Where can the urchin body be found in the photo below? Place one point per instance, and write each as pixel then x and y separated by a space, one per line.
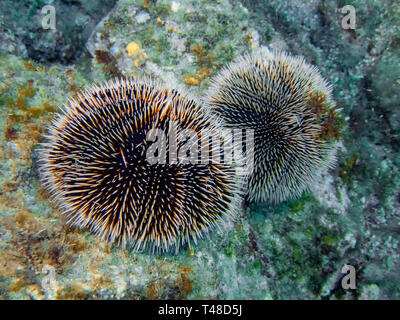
pixel 95 164
pixel 286 102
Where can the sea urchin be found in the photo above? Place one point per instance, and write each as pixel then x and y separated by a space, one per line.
pixel 95 164
pixel 289 106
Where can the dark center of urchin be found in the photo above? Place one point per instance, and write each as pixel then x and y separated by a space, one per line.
pixel 100 163
pixel 275 132
pixel 284 138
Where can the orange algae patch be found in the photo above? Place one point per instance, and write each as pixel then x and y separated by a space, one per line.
pixel 108 61
pixel 317 102
pixel 72 292
pixel 160 22
pixel 195 80
pixel 330 127
pixel 23 94
pixel 26 136
pixel 152 291
pixel 248 38
pixel 203 58
pixel 10 263
pixel 17 285
pixel 183 280
pixel 206 63
pixel 34 241
pixel 28 65
pixel 331 123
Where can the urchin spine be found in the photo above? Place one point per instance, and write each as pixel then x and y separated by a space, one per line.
pixel 94 166
pixel 287 102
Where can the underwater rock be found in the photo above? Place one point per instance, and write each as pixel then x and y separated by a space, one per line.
pixel 74 22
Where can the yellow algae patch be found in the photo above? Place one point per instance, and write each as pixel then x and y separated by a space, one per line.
pixel 10 185
pixel 206 63
pixel 136 53
pixel 190 80
pixel 11 263
pixel 72 292
pixel 249 39
pixel 27 221
pixel 35 291
pixel 23 93
pixel 317 102
pixel 172 29
pixel 153 289
pixel 17 285
pixel 99 282
pixel 35 243
pixel 133 49
pixel 195 80
pixel 28 65
pixel 25 138
pixel 29 136
pixel 200 53
pixel 40 69
pixel 160 22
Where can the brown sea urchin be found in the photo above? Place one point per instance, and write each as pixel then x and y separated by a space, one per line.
pixel 95 163
pixel 289 106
